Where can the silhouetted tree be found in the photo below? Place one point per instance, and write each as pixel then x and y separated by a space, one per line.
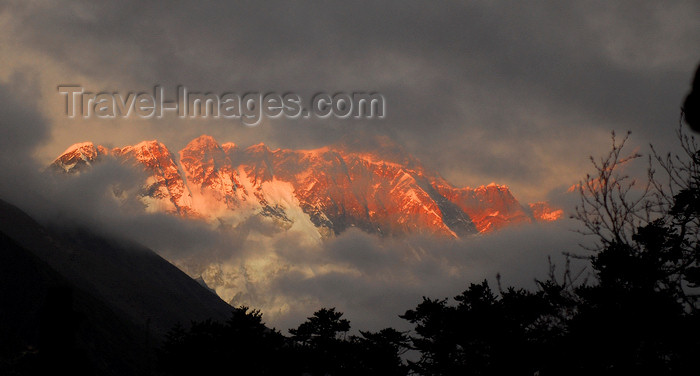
pixel 379 353
pixel 638 316
pixel 323 327
pixel 641 315
pixel 325 349
pixel 243 345
pixel 485 333
pixel 321 344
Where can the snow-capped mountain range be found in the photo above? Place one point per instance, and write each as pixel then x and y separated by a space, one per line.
pixel 379 189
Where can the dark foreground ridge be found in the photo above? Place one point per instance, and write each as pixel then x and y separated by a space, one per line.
pixel 72 300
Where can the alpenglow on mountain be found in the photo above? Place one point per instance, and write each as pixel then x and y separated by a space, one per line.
pixel 379 189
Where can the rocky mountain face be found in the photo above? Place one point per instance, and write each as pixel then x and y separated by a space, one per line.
pixel 383 190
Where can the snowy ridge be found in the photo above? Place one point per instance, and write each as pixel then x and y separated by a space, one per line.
pixel 322 191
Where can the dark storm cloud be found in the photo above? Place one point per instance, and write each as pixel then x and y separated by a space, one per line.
pixel 21 126
pixel 505 88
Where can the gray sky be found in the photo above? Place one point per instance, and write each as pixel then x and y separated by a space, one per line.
pixel 516 93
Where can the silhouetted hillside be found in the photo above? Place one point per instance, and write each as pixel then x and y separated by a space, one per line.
pixel 71 297
pixel 47 323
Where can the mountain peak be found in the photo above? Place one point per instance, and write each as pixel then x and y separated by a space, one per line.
pixel 258 148
pixel 376 147
pixel 78 156
pixel 87 145
pixel 229 146
pixel 147 144
pixel 542 211
pixel 203 142
pixel 144 151
pixel 494 187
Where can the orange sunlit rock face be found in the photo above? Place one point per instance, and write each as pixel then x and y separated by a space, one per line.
pixel 384 191
pixel 541 211
pixel 490 207
pixel 79 156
